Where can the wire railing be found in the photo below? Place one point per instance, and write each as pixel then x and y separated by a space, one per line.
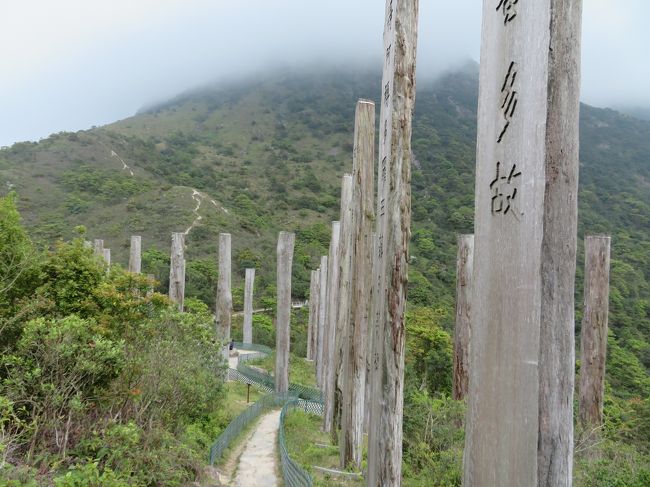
pixel 294 475
pixel 301 397
pixel 237 425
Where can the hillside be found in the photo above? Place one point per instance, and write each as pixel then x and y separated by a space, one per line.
pixel 267 154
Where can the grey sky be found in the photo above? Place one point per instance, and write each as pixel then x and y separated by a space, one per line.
pixel 70 64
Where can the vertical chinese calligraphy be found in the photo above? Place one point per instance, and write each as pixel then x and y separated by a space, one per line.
pixel 504 188
pixel 509 10
pixel 509 99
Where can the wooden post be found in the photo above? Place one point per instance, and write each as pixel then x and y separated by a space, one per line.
pixel 394 231
pixel 135 260
pixel 463 329
pixel 224 293
pixel 355 343
pixel 372 362
pixel 322 322
pixel 342 316
pixel 519 428
pixel 177 270
pixel 283 317
pixel 248 306
pixel 99 247
pixel 593 336
pixel 330 325
pixel 106 253
pixel 312 327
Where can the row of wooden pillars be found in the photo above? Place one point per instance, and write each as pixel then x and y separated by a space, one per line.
pixel 224 311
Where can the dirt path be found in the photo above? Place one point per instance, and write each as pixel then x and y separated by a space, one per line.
pixel 258 463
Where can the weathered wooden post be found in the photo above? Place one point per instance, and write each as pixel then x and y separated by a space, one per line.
pixel 135 256
pixel 519 428
pixel 177 270
pixel 106 253
pixel 593 336
pixel 355 344
pixel 312 327
pixel 330 325
pixel 224 293
pixel 283 314
pixel 463 329
pixel 342 316
pixel 248 306
pixel 393 233
pixel 372 363
pixel 322 322
pixel 99 247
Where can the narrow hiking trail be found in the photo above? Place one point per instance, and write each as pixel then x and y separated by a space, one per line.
pixel 199 197
pixel 258 465
pixel 125 166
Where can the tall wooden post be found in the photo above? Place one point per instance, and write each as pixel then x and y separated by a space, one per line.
pixel 355 344
pixel 342 316
pixel 98 246
pixel 322 322
pixel 177 270
pixel 224 293
pixel 519 428
pixel 593 337
pixel 283 317
pixel 312 327
pixel 394 223
pixel 330 325
pixel 135 256
pixel 248 306
pixel 372 362
pixel 106 253
pixel 463 329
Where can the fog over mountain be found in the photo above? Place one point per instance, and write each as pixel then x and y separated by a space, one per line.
pixel 71 64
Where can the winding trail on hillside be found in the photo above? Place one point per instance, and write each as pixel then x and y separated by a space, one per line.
pixel 125 166
pixel 258 466
pixel 199 197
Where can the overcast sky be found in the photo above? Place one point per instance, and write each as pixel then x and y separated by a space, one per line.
pixel 71 64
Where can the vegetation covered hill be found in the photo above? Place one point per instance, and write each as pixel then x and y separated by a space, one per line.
pixel 267 154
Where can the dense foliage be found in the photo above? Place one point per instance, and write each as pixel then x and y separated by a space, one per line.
pixel 87 393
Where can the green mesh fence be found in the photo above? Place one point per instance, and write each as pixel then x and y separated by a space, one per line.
pixel 294 475
pixel 236 426
pixel 267 380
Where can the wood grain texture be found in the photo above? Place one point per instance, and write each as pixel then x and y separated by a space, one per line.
pixel 463 327
pixel 393 232
pixel 519 428
pixel 593 335
pixel 355 342
pixel 344 297
pixel 330 324
pixel 283 313
pixel 248 306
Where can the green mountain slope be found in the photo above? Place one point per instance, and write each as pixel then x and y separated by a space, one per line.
pixel 267 154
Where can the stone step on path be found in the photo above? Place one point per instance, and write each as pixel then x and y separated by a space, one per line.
pixel 258 465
